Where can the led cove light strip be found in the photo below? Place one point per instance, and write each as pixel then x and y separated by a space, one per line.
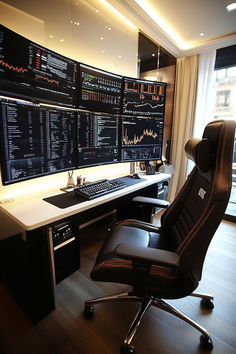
pixel 162 24
pixel 118 14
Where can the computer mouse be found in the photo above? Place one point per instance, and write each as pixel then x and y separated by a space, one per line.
pixel 136 176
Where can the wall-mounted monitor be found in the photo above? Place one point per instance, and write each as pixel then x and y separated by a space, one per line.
pixel 97 138
pixel 142 97
pixel 99 90
pixel 30 71
pixel 141 138
pixel 35 140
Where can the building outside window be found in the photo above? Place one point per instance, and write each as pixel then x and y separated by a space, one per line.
pixel 224 91
pixel 222 98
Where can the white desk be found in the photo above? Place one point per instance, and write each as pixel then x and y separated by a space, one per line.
pixel 31 211
pixel 36 217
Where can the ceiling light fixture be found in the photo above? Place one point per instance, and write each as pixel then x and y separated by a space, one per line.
pixel 231 6
pixel 118 14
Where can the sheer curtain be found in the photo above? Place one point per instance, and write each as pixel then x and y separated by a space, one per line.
pixel 205 98
pixel 204 102
pixel 187 69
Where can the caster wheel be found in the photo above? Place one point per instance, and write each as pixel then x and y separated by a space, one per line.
pixel 206 342
pixel 88 311
pixel 208 304
pixel 127 349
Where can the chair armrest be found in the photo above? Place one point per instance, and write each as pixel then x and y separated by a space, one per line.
pixel 151 201
pixel 147 255
pixel 143 225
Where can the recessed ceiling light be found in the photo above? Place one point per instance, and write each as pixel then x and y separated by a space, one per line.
pixel 201 34
pixel 62 40
pixel 119 56
pixel 101 38
pixel 231 7
pixel 153 54
pixel 51 36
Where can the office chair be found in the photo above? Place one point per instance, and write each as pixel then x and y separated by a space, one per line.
pixel 166 262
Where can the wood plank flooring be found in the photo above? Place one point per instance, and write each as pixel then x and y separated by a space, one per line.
pixel 66 331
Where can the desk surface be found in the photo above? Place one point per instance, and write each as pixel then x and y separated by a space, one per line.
pixel 31 211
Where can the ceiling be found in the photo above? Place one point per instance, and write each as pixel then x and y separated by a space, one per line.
pixel 187 24
pixel 188 19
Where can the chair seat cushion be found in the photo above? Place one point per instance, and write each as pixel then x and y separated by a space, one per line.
pixel 110 268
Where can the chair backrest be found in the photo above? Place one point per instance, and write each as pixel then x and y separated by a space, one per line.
pixel 192 219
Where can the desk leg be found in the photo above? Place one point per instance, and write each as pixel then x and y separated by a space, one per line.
pixel 41 274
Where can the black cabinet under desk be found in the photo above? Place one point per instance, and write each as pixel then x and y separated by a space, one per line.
pixel 66 249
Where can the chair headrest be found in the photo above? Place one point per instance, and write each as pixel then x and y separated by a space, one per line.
pixel 199 151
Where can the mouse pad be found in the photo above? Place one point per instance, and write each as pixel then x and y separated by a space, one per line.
pixel 65 200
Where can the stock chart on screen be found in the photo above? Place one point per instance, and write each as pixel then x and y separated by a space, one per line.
pixel 141 138
pixel 30 71
pixel 142 97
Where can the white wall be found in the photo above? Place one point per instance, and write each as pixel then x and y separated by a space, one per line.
pixel 84 30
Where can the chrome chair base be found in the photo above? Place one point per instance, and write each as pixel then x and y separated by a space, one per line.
pixel 146 302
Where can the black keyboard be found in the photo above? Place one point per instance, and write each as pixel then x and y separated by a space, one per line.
pixel 98 188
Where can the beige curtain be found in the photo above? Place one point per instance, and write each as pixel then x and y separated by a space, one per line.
pixel 183 118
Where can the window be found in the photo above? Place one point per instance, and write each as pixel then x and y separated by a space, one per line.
pixel 222 98
pixel 224 91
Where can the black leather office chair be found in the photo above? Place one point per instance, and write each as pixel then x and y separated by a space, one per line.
pixel 166 262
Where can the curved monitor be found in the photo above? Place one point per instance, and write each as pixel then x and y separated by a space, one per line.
pixel 30 71
pixel 35 140
pixel 141 138
pixel 99 90
pixel 143 97
pixel 97 139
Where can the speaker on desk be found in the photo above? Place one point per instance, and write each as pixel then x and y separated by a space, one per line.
pixel 66 248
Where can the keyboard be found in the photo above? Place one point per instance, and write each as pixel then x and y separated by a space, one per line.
pixel 98 188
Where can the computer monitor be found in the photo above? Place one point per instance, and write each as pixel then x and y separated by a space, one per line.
pixel 143 97
pixel 141 138
pixel 35 140
pixel 97 138
pixel 31 71
pixel 99 90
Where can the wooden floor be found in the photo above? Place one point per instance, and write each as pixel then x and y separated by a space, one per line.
pixel 66 331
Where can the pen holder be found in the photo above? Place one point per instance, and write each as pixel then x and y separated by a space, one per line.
pixel 80 180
